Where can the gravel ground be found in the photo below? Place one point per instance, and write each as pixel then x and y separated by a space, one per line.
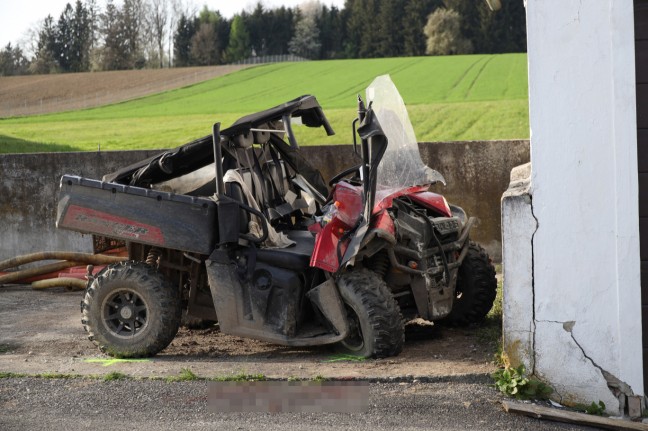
pixel 74 404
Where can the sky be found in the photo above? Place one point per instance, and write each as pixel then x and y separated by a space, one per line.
pixel 18 16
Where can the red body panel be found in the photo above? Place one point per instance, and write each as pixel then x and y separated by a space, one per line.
pixel 349 198
pixel 382 221
pixel 112 225
pixel 432 201
pixel 325 251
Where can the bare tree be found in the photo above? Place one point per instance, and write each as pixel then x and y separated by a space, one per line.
pixel 29 39
pixel 158 19
pixel 94 14
pixel 178 8
pixel 204 45
pixel 305 42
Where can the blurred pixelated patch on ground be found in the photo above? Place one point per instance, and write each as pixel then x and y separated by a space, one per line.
pixel 289 397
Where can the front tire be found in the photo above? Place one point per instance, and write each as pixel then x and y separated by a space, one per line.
pixel 476 288
pixel 131 310
pixel 376 327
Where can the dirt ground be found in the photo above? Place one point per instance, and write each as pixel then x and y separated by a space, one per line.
pixel 41 332
pixel 39 94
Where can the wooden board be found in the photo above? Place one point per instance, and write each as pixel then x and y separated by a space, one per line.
pixel 541 412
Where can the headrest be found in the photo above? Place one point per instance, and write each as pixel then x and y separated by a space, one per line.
pixel 243 140
pixel 262 138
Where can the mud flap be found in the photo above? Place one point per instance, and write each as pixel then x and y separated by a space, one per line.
pixel 224 285
pixel 327 299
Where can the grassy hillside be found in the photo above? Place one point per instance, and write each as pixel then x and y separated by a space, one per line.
pixel 449 98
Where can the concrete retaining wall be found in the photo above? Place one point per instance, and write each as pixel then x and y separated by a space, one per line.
pixel 477 174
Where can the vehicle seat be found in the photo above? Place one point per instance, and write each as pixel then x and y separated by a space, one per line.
pixel 296 257
pixel 235 191
pixel 267 183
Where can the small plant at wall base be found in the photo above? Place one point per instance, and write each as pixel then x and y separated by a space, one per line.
pixel 592 409
pixel 515 383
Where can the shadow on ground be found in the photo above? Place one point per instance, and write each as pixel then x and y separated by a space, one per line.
pixel 9 144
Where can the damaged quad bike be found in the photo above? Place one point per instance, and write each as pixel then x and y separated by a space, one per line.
pixel 238 227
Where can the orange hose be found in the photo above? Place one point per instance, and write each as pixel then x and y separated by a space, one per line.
pixel 84 258
pixel 18 276
pixel 70 283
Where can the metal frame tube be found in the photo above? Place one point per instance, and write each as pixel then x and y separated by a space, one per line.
pixel 218 160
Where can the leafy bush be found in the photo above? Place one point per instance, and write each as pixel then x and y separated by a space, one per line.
pixel 515 383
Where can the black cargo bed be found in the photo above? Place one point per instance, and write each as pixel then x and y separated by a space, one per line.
pixel 136 214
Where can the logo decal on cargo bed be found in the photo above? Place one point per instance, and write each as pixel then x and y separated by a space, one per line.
pixel 89 220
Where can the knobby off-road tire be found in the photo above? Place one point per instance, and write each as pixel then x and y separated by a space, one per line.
pixel 376 327
pixel 131 310
pixel 476 288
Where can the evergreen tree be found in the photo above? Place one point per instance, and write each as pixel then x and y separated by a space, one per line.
pixel 354 27
pixel 130 24
pixel 115 52
pixel 362 29
pixel 13 61
pixel 239 41
pixel 81 39
pixel 222 28
pixel 470 20
pixel 278 28
pixel 390 28
pixel 45 56
pixel 256 26
pixel 369 41
pixel 505 30
pixel 7 67
pixel 64 52
pixel 331 27
pixel 185 31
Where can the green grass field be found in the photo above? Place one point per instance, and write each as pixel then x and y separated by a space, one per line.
pixel 475 97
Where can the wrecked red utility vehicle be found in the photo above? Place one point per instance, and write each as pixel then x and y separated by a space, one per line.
pixel 239 228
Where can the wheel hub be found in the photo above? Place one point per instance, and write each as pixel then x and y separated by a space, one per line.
pixel 125 313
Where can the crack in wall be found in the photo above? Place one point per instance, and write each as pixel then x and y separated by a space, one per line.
pixel 533 307
pixel 618 388
pixel 571 334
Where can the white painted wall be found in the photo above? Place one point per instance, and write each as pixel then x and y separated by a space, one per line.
pixel 584 311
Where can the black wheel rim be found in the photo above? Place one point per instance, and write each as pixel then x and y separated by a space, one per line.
pixel 354 341
pixel 125 313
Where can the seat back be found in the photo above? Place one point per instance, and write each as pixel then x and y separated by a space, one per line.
pixel 235 191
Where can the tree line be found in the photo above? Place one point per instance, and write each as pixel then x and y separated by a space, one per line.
pixel 169 33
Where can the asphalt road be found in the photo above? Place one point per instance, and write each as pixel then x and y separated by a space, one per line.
pixel 36 404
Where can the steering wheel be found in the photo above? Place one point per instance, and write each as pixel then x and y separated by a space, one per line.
pixel 343 174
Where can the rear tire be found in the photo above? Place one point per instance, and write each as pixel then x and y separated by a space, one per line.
pixel 476 288
pixel 131 310
pixel 376 327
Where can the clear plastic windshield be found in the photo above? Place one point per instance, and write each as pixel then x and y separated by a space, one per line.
pixel 401 166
